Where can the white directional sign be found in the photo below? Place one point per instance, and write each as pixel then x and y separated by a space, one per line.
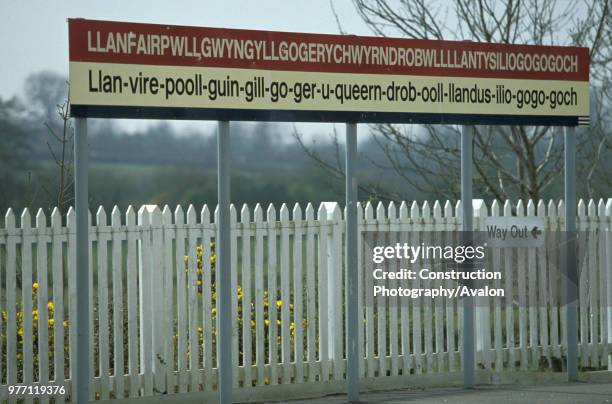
pixel 515 231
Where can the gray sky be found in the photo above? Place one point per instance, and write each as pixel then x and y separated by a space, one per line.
pixel 34 33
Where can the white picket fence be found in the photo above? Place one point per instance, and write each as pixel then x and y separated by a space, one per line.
pixel 152 309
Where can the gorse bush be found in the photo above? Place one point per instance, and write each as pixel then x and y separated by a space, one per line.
pixel 245 312
pixel 33 340
pixel 243 307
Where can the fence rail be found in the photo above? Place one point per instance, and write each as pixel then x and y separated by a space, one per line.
pixel 153 299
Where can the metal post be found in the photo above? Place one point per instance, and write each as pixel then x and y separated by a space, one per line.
pixel 223 251
pixel 352 275
pixel 468 214
pixel 81 375
pixel 571 327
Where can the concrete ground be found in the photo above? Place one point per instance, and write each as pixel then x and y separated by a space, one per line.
pixel 572 393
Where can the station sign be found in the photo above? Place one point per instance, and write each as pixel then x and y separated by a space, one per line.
pixel 133 70
pixel 514 231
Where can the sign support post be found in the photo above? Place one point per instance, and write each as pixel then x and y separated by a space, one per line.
pixel 571 327
pixel 81 375
pixel 467 219
pixel 223 252
pixel 352 273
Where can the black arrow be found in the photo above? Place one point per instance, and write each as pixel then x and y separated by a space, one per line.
pixel 535 232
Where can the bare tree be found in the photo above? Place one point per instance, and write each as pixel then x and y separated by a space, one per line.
pixel 62 155
pixel 509 161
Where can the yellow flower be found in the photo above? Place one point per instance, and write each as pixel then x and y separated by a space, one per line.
pixel 199 282
pixel 50 306
pixel 65 323
pixel 279 304
pixel 267 322
pixel 252 323
pixel 200 330
pixel 51 322
pixel 278 322
pixel 20 332
pixel 35 312
pixel 35 286
pixel 186 258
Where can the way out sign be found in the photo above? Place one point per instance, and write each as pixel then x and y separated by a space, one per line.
pixel 514 231
pixel 128 70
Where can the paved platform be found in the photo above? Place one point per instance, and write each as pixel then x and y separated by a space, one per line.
pixel 572 393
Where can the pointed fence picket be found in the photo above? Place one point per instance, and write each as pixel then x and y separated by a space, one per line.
pixel 284 293
pixel 118 303
pixel 554 279
pixel 132 299
pixel 323 297
pixel 497 309
pixel 450 226
pixel 438 227
pixel 153 297
pixel 426 229
pixel 298 297
pixel 245 302
pixel 167 301
pixel 260 298
pixel 405 328
pixel 208 236
pixel 58 270
pixel 532 283
pixel 593 283
pixel 543 292
pixel 311 297
pixel 417 302
pixel 509 305
pixel 523 308
pixel 583 284
pixel 381 302
pixel 393 301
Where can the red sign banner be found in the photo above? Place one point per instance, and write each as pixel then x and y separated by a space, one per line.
pixel 132 70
